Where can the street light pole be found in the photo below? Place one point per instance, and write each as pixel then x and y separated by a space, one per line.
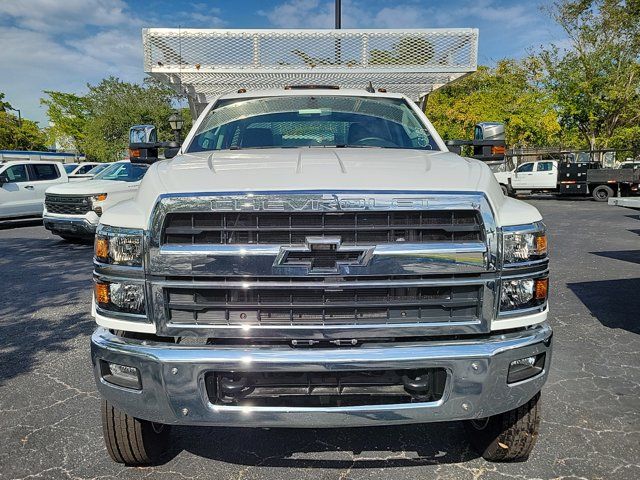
pixel 19 115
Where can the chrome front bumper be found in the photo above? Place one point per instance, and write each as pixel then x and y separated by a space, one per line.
pixel 173 385
pixel 71 225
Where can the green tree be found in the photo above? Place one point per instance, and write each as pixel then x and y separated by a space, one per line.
pixel 595 82
pixel 506 94
pixel 16 134
pixel 4 105
pixel 25 135
pixel 99 121
pixel 68 114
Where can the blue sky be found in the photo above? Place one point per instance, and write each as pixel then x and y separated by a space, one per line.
pixel 65 44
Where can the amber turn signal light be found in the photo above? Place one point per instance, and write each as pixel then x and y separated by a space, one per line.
pixel 541 244
pixel 498 150
pixel 102 293
pixel 134 153
pixel 542 288
pixel 101 248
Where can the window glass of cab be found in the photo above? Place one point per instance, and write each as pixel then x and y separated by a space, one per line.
pixel 311 121
pixel 525 167
pixel 545 166
pixel 70 167
pixel 84 169
pixel 45 171
pixel 16 173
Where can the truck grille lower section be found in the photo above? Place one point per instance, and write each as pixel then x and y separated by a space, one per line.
pixel 325 389
pixel 289 228
pixel 264 306
pixel 67 204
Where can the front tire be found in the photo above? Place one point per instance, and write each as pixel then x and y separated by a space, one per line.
pixel 508 436
pixel 130 440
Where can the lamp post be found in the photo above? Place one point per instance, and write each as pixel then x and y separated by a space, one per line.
pixel 19 115
pixel 176 122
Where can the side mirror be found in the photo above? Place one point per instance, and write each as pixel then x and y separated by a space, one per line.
pixel 3 179
pixel 171 152
pixel 143 134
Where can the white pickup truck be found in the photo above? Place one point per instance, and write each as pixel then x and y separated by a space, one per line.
pixel 23 185
pixel 315 257
pixel 538 176
pixel 73 210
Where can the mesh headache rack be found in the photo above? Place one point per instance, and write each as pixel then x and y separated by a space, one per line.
pixel 204 63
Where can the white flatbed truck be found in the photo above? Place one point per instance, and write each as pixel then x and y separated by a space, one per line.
pixel 314 256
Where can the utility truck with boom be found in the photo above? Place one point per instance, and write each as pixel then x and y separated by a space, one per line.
pixel 314 256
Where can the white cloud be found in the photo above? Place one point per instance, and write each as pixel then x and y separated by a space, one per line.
pixel 507 27
pixel 62 16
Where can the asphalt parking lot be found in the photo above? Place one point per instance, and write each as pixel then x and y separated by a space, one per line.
pixel 49 408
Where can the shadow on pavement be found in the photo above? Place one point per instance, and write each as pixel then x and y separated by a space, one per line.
pixel 632 256
pixel 615 303
pixel 43 282
pixel 24 222
pixel 378 447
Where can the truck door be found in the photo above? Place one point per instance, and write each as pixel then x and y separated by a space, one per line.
pixel 15 192
pixel 545 175
pixel 522 177
pixel 42 176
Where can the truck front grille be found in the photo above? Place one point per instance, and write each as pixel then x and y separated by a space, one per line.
pixel 354 228
pixel 316 306
pixel 67 204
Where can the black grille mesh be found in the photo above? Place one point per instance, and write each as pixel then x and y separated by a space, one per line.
pixel 354 228
pixel 67 204
pixel 318 306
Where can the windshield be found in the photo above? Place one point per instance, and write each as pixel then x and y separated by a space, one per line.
pixel 70 167
pixel 123 172
pixel 308 121
pixel 98 168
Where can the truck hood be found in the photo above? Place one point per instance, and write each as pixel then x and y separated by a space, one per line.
pixel 348 169
pixel 319 169
pixel 91 187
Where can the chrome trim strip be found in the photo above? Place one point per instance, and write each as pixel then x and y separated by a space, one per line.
pixel 122 271
pixel 532 263
pixel 525 228
pixel 325 284
pixel 521 312
pixel 132 317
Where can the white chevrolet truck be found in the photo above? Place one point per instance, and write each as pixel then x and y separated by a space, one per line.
pixel 314 257
pixel 72 210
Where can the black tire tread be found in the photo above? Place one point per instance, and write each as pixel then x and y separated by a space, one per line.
pixel 509 436
pixel 607 188
pixel 130 440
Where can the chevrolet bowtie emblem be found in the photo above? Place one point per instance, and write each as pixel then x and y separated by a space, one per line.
pixel 323 255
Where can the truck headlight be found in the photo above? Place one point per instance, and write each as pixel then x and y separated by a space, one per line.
pixel 524 243
pixel 523 293
pixel 120 297
pixel 118 246
pixel 100 197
